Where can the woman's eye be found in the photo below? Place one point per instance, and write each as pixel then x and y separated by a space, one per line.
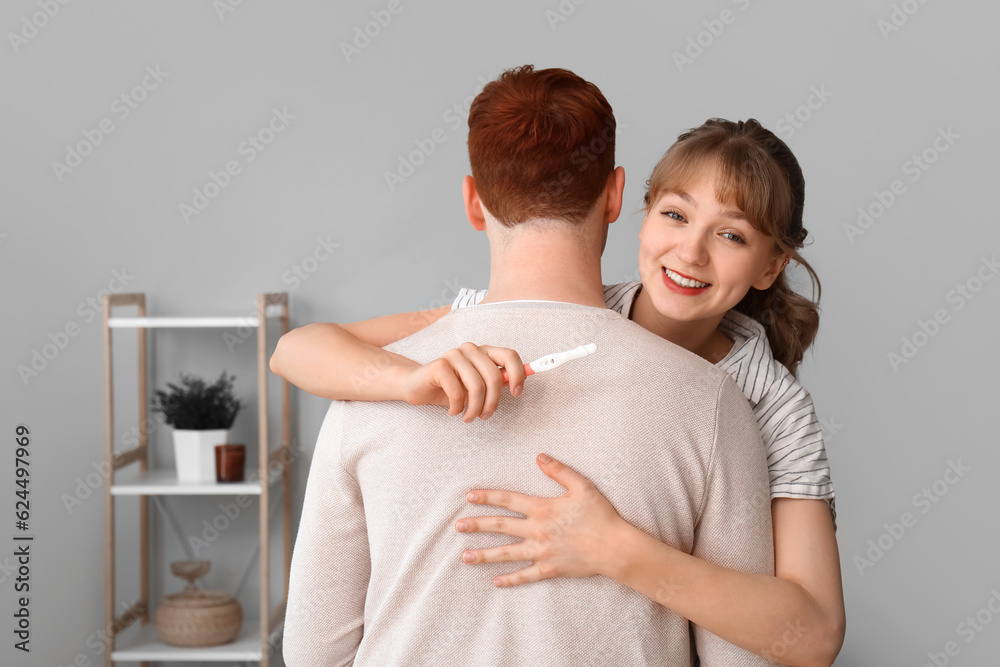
pixel 733 236
pixel 673 214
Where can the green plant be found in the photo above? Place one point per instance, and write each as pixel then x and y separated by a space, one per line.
pixel 197 406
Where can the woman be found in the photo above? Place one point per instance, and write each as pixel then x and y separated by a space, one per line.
pixel 723 218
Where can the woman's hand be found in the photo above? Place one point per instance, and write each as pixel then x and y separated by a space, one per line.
pixel 466 377
pixel 568 536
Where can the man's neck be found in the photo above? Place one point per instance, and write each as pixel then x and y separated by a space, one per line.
pixel 550 265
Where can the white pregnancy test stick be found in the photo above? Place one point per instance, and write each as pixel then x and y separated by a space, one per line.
pixel 550 361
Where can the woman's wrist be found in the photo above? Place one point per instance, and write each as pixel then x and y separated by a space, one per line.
pixel 620 550
pixel 393 379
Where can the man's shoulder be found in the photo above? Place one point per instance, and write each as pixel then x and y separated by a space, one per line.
pixel 535 328
pixel 498 323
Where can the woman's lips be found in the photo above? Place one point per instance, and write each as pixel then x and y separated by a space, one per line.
pixel 670 277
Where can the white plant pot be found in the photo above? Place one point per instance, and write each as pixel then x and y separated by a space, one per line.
pixel 194 453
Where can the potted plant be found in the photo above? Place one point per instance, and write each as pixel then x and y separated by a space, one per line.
pixel 201 416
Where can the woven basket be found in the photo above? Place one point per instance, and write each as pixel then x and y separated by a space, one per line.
pixel 199 618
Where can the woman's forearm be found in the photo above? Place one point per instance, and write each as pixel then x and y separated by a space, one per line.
pixel 326 360
pixel 772 617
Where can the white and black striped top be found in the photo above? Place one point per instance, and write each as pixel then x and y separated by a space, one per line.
pixel 796 457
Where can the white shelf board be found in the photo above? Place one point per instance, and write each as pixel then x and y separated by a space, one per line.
pixel 181 322
pixel 164 482
pixel 146 645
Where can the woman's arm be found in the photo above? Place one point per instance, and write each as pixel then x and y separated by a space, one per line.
pixel 346 362
pixel 795 617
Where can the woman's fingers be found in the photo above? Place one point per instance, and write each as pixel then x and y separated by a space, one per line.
pixel 506 554
pixel 475 387
pixel 477 368
pixel 443 375
pixel 570 479
pixel 511 500
pixel 512 365
pixel 489 374
pixel 525 575
pixel 506 525
pixel 466 379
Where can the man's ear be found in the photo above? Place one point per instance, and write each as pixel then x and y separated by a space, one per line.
pixel 777 264
pixel 473 207
pixel 613 193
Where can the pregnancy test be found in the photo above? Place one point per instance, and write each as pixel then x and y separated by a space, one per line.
pixel 550 361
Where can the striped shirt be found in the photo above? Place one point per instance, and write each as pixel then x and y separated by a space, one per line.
pixel 796 457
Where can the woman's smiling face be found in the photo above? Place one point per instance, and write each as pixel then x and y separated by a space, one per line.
pixel 698 257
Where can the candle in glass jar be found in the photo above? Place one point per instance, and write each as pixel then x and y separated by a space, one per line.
pixel 229 462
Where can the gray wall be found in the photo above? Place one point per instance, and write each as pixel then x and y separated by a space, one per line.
pixel 892 78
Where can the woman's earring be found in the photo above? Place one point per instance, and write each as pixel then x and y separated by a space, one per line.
pixel 785 264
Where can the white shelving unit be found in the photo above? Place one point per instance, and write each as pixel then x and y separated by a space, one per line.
pixel 147 646
pixel 259 630
pixel 164 482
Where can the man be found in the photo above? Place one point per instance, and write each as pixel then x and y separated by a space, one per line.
pixel 668 438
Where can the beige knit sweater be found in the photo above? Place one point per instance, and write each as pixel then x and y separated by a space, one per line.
pixel 377 577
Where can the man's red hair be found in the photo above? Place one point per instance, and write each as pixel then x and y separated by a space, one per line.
pixel 541 145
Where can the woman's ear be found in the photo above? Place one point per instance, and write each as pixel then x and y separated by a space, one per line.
pixel 774 268
pixel 473 207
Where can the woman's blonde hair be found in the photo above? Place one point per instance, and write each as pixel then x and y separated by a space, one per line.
pixel 756 172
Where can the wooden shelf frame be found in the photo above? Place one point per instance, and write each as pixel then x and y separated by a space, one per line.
pixel 161 482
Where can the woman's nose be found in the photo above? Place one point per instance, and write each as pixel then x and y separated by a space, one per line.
pixel 693 249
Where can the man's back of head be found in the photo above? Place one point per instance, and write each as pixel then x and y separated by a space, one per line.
pixel 544 186
pixel 541 145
